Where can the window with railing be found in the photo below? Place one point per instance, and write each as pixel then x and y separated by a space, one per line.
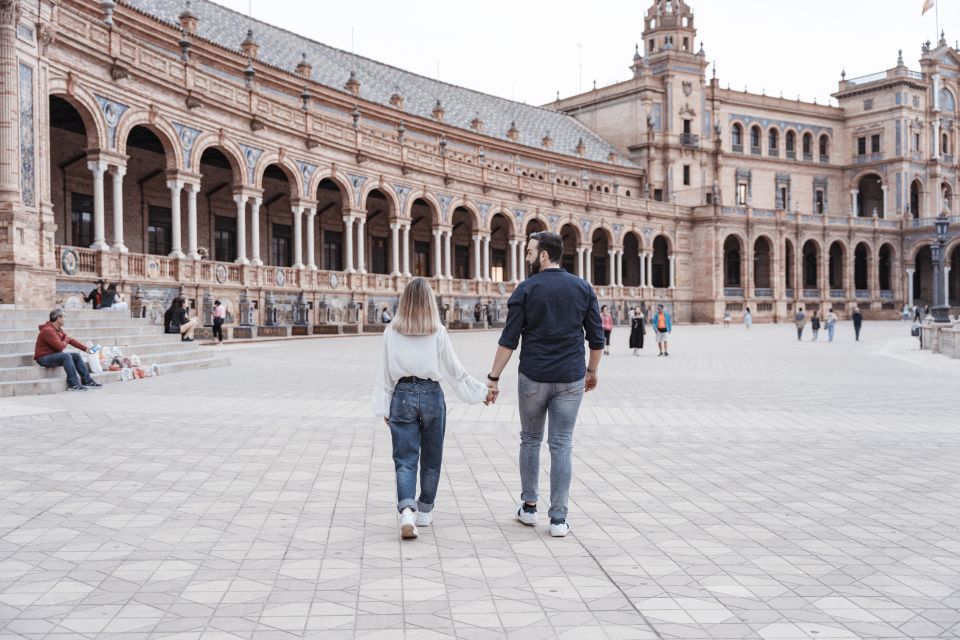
pixel 736 138
pixel 159 231
pixel 755 140
pixel 280 241
pixel 332 250
pixel 81 219
pixel 225 239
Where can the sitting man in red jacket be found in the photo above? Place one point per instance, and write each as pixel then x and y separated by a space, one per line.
pixel 50 352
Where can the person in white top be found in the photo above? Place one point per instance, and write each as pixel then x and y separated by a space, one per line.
pixel 417 355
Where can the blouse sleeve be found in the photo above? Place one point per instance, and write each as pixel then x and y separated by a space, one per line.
pixel 383 384
pixel 467 388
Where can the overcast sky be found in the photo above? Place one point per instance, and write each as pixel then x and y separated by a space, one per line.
pixel 528 51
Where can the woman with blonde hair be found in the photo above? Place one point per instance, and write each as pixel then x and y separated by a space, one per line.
pixel 417 355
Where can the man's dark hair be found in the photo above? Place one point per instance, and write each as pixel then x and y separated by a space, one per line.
pixel 56 314
pixel 216 302
pixel 550 242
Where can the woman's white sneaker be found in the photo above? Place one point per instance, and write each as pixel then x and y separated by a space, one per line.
pixel 408 525
pixel 527 514
pixel 424 518
pixel 559 529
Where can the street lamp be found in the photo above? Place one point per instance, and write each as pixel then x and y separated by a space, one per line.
pixel 940 311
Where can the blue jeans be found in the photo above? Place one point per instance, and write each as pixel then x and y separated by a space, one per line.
pixel 831 328
pixel 418 420
pixel 561 402
pixel 72 362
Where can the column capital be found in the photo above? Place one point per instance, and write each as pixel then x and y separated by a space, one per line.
pixel 118 170
pixel 303 203
pixel 98 166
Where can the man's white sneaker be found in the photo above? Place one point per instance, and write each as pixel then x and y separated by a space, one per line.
pixel 560 529
pixel 424 518
pixel 408 525
pixel 526 515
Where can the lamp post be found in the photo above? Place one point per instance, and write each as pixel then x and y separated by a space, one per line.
pixel 940 311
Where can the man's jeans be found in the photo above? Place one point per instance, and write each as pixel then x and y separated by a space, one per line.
pixel 418 420
pixel 72 362
pixel 561 402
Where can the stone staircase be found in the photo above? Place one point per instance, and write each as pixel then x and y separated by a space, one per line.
pixel 21 376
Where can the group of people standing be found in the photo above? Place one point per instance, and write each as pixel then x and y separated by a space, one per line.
pixel 827 322
pixel 660 322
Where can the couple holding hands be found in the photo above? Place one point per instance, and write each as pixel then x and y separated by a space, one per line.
pixel 553 312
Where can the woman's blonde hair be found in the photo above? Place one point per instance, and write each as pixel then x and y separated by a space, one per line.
pixel 417 313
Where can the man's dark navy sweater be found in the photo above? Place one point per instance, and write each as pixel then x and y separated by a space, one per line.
pixel 553 312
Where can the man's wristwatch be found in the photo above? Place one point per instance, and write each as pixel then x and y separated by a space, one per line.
pixel 493 378
pixel 589 370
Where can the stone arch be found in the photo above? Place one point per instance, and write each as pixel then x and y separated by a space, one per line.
pixel 837 255
pixel 289 168
pixel 737 134
pixel 869 187
pixel 661 250
pixel 823 146
pixel 463 203
pixel 85 105
pixel 733 249
pixel 427 197
pixel 773 139
pixel 535 217
pixel 383 188
pixel 632 243
pixel 601 241
pixel 916 198
pixel 862 257
pixel 790 138
pixel 230 150
pixel 506 214
pixel 915 248
pixel 756 136
pixel 338 178
pixel 764 249
pixel 159 127
pixel 810 252
pixel 886 258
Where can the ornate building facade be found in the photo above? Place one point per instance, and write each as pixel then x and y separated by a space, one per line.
pixel 182 147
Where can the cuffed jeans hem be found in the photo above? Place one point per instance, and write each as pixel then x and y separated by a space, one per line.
pixel 409 502
pixel 530 497
pixel 424 507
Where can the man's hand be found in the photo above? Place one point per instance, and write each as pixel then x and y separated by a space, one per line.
pixel 493 391
pixel 590 382
pixel 386 421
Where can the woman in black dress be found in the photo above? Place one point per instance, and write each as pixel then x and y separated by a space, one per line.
pixel 637 330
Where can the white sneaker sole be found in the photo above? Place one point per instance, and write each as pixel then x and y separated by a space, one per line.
pixel 424 519
pixel 558 532
pixel 408 531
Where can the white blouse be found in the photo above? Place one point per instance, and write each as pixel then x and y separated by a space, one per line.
pixel 429 357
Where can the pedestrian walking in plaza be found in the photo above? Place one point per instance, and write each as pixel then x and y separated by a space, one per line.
pixel 857 322
pixel 905 314
pixel 815 326
pixel 637 330
pixel 799 320
pixel 553 312
pixel 747 318
pixel 727 318
pixel 606 320
pixel 50 352
pixel 662 326
pixel 916 328
pixel 831 322
pixel 219 317
pixel 385 316
pixel 416 356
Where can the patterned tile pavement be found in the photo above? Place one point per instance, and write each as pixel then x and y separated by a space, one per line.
pixel 748 486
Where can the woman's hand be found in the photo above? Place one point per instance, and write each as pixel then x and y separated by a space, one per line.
pixel 386 421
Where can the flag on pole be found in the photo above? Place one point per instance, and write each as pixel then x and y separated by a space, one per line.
pixel 927 5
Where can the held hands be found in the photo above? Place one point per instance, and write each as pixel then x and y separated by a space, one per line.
pixel 493 392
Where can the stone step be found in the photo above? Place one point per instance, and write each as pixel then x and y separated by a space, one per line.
pixel 25 346
pixel 23 359
pixel 113 320
pixel 58 384
pixel 84 333
pixel 34 371
pixel 44 314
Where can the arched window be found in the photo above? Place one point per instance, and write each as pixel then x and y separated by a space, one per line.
pixel 731 265
pixel 773 143
pixel 808 147
pixel 791 145
pixel 824 148
pixel 755 140
pixel 945 143
pixel 736 137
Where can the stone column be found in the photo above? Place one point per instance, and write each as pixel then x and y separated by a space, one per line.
pixel 886 210
pixel 117 173
pixel 406 250
pixel 311 238
pixel 910 286
pixel 620 268
pixel 192 189
pixel 255 231
pixel 395 248
pixel 643 269
pixel 580 263
pixel 448 254
pixel 588 264
pixel 9 109
pixel 486 258
pixel 297 212
pixel 437 262
pixel 521 260
pixel 241 201
pixel 348 244
pixel 362 243
pixel 513 260
pixel 98 168
pixel 477 263
pixel 936 147
pixel 176 187
pixel 853 203
pixel 612 267
pixel 946 285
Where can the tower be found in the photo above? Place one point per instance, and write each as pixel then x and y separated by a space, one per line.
pixel 669 26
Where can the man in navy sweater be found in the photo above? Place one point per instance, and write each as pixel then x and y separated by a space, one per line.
pixel 552 312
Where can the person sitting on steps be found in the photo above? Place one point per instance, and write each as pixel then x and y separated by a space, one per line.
pixel 50 352
pixel 177 320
